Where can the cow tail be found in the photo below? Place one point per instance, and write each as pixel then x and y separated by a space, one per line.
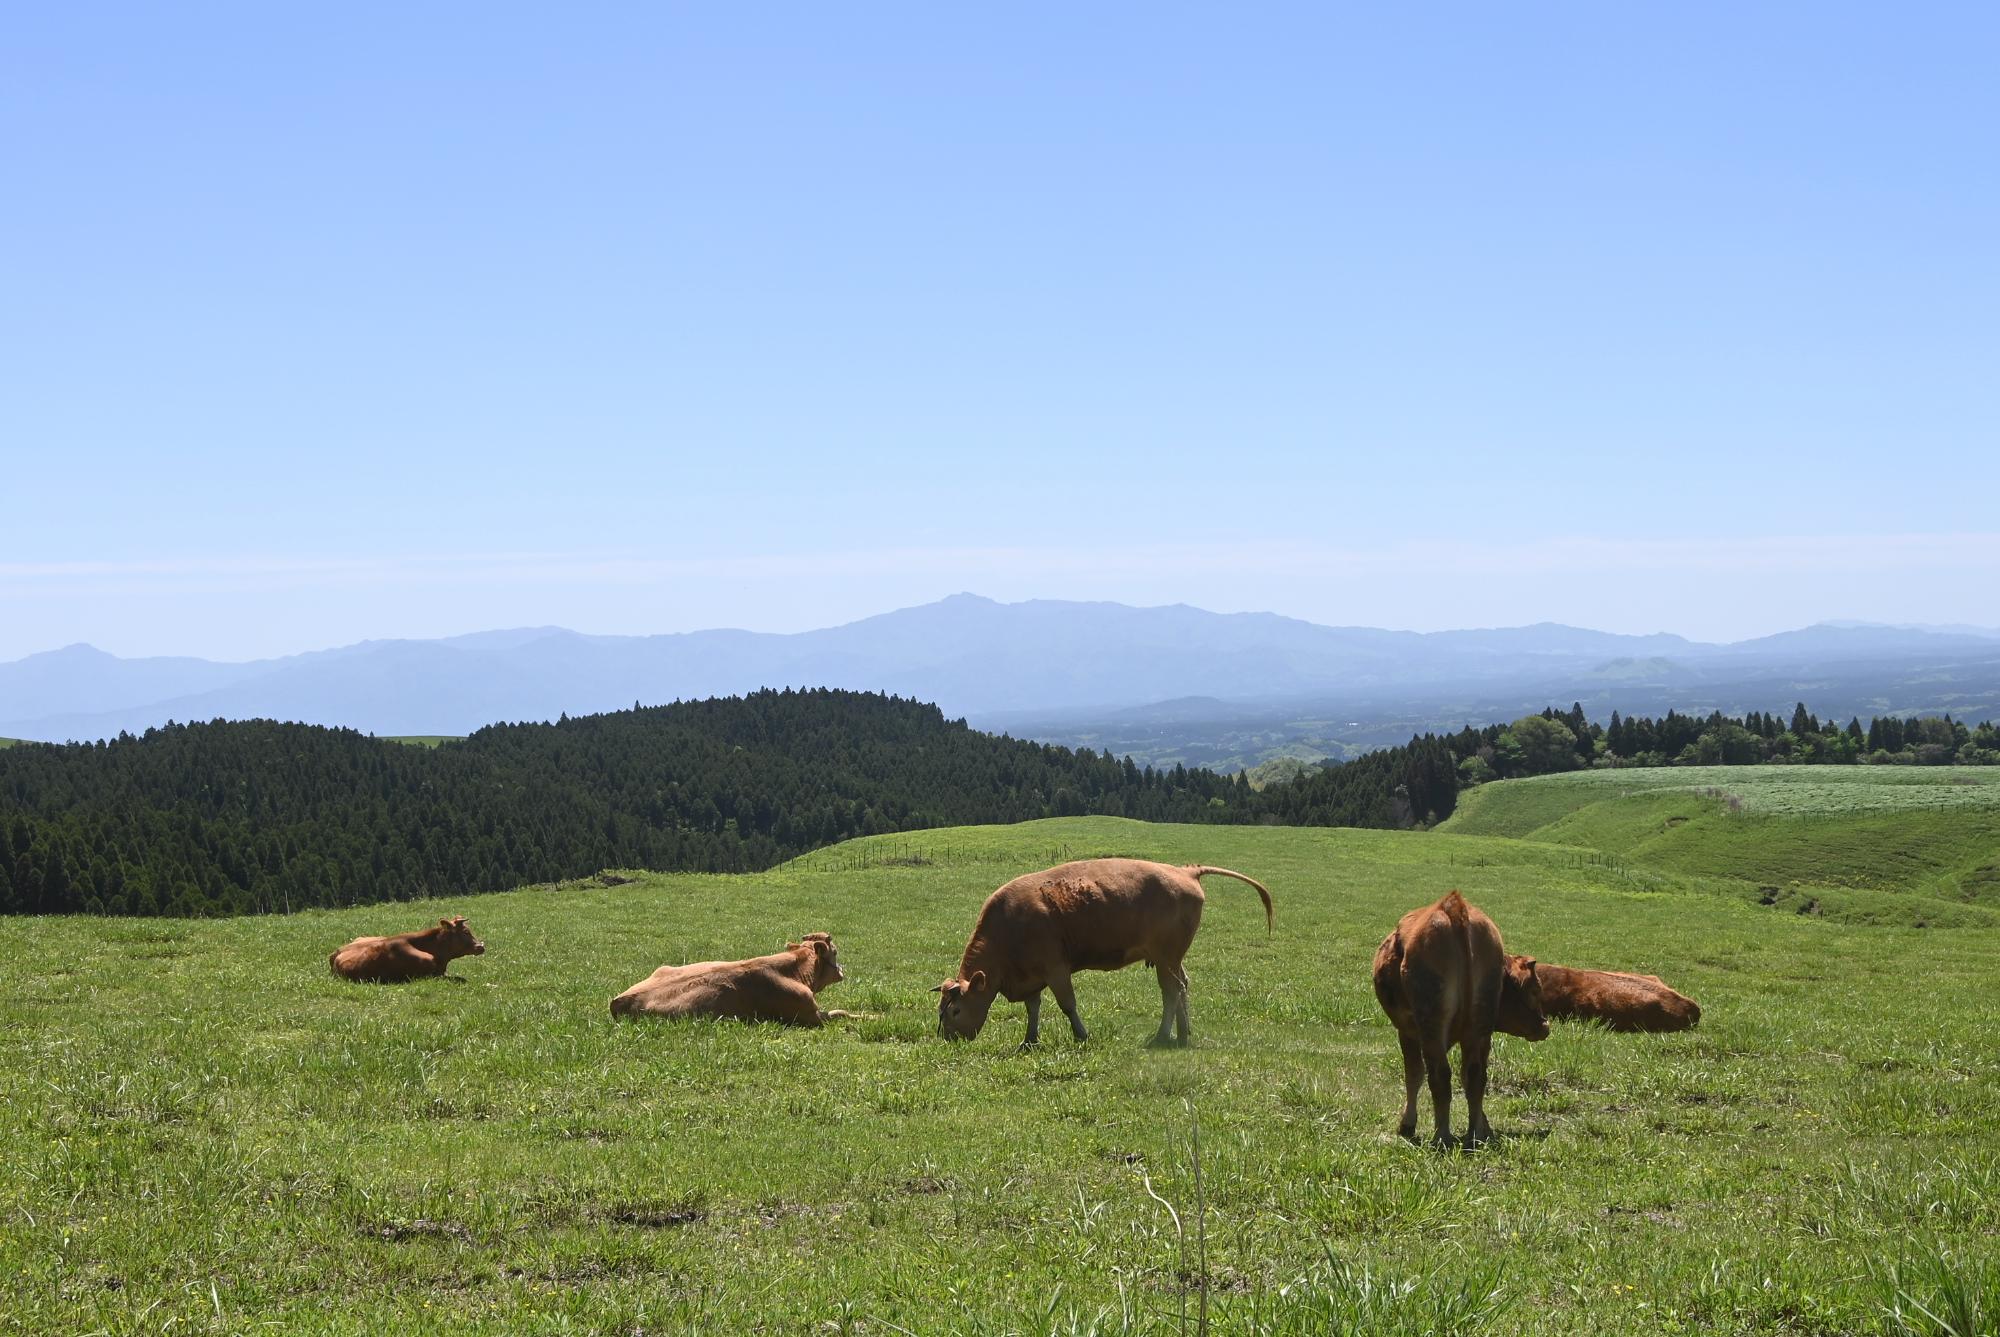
pixel 1270 921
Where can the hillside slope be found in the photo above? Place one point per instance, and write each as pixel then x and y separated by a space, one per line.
pixel 496 1155
pixel 1802 836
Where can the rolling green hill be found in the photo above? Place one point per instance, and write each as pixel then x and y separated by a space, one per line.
pixel 208 1131
pixel 1913 844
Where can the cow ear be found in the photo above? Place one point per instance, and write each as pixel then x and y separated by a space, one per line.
pixel 977 981
pixel 1528 965
pixel 444 923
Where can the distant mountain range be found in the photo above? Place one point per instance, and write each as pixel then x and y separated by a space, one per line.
pixel 1170 683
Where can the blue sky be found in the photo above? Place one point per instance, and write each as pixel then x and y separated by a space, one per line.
pixel 381 321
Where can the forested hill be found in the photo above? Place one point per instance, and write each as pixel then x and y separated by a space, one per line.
pixel 254 816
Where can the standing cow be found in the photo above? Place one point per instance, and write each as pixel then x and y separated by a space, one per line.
pixel 406 956
pixel 1444 979
pixel 783 986
pixel 1095 914
pixel 1623 1002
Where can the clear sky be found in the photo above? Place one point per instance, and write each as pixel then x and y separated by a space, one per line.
pixel 414 320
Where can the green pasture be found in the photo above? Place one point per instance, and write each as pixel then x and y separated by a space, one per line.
pixel 1519 807
pixel 207 1133
pixel 1913 845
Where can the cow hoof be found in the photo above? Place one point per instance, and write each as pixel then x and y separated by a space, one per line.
pixel 1027 1045
pixel 1408 1134
pixel 1162 1042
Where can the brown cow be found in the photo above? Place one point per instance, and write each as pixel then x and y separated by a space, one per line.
pixel 1623 1002
pixel 406 956
pixel 778 987
pixel 1096 914
pixel 1445 980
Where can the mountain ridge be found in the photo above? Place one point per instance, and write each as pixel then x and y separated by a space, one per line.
pixel 1037 659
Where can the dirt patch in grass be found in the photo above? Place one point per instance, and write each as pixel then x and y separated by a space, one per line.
pixel 422 1227
pixel 654 1216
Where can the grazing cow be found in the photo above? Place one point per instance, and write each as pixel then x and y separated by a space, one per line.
pixel 778 987
pixel 406 956
pixel 1096 914
pixel 1445 980
pixel 1622 1002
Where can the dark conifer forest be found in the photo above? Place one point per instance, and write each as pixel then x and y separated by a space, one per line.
pixel 244 817
pixel 255 816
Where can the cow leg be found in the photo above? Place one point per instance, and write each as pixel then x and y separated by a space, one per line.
pixel 1472 1075
pixel 1173 997
pixel 1413 1080
pixel 1065 994
pixel 792 1003
pixel 423 963
pixel 1034 1006
pixel 1437 1066
pixel 1182 1027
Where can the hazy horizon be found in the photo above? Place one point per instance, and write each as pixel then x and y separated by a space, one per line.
pixel 1954 625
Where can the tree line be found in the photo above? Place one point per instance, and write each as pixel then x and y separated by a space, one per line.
pixel 233 817
pixel 255 816
pixel 1418 783
pixel 1555 741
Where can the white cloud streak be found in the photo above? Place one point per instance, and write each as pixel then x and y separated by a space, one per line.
pixel 1816 554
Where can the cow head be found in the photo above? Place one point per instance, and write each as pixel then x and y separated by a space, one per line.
pixel 963 1005
pixel 1521 1010
pixel 455 939
pixel 825 960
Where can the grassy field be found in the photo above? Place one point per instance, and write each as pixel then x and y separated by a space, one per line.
pixel 207 1133
pixel 1519 807
pixel 1914 845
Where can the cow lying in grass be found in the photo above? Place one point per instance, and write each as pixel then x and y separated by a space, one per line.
pixel 406 956
pixel 1096 914
pixel 1444 979
pixel 780 987
pixel 1621 1001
